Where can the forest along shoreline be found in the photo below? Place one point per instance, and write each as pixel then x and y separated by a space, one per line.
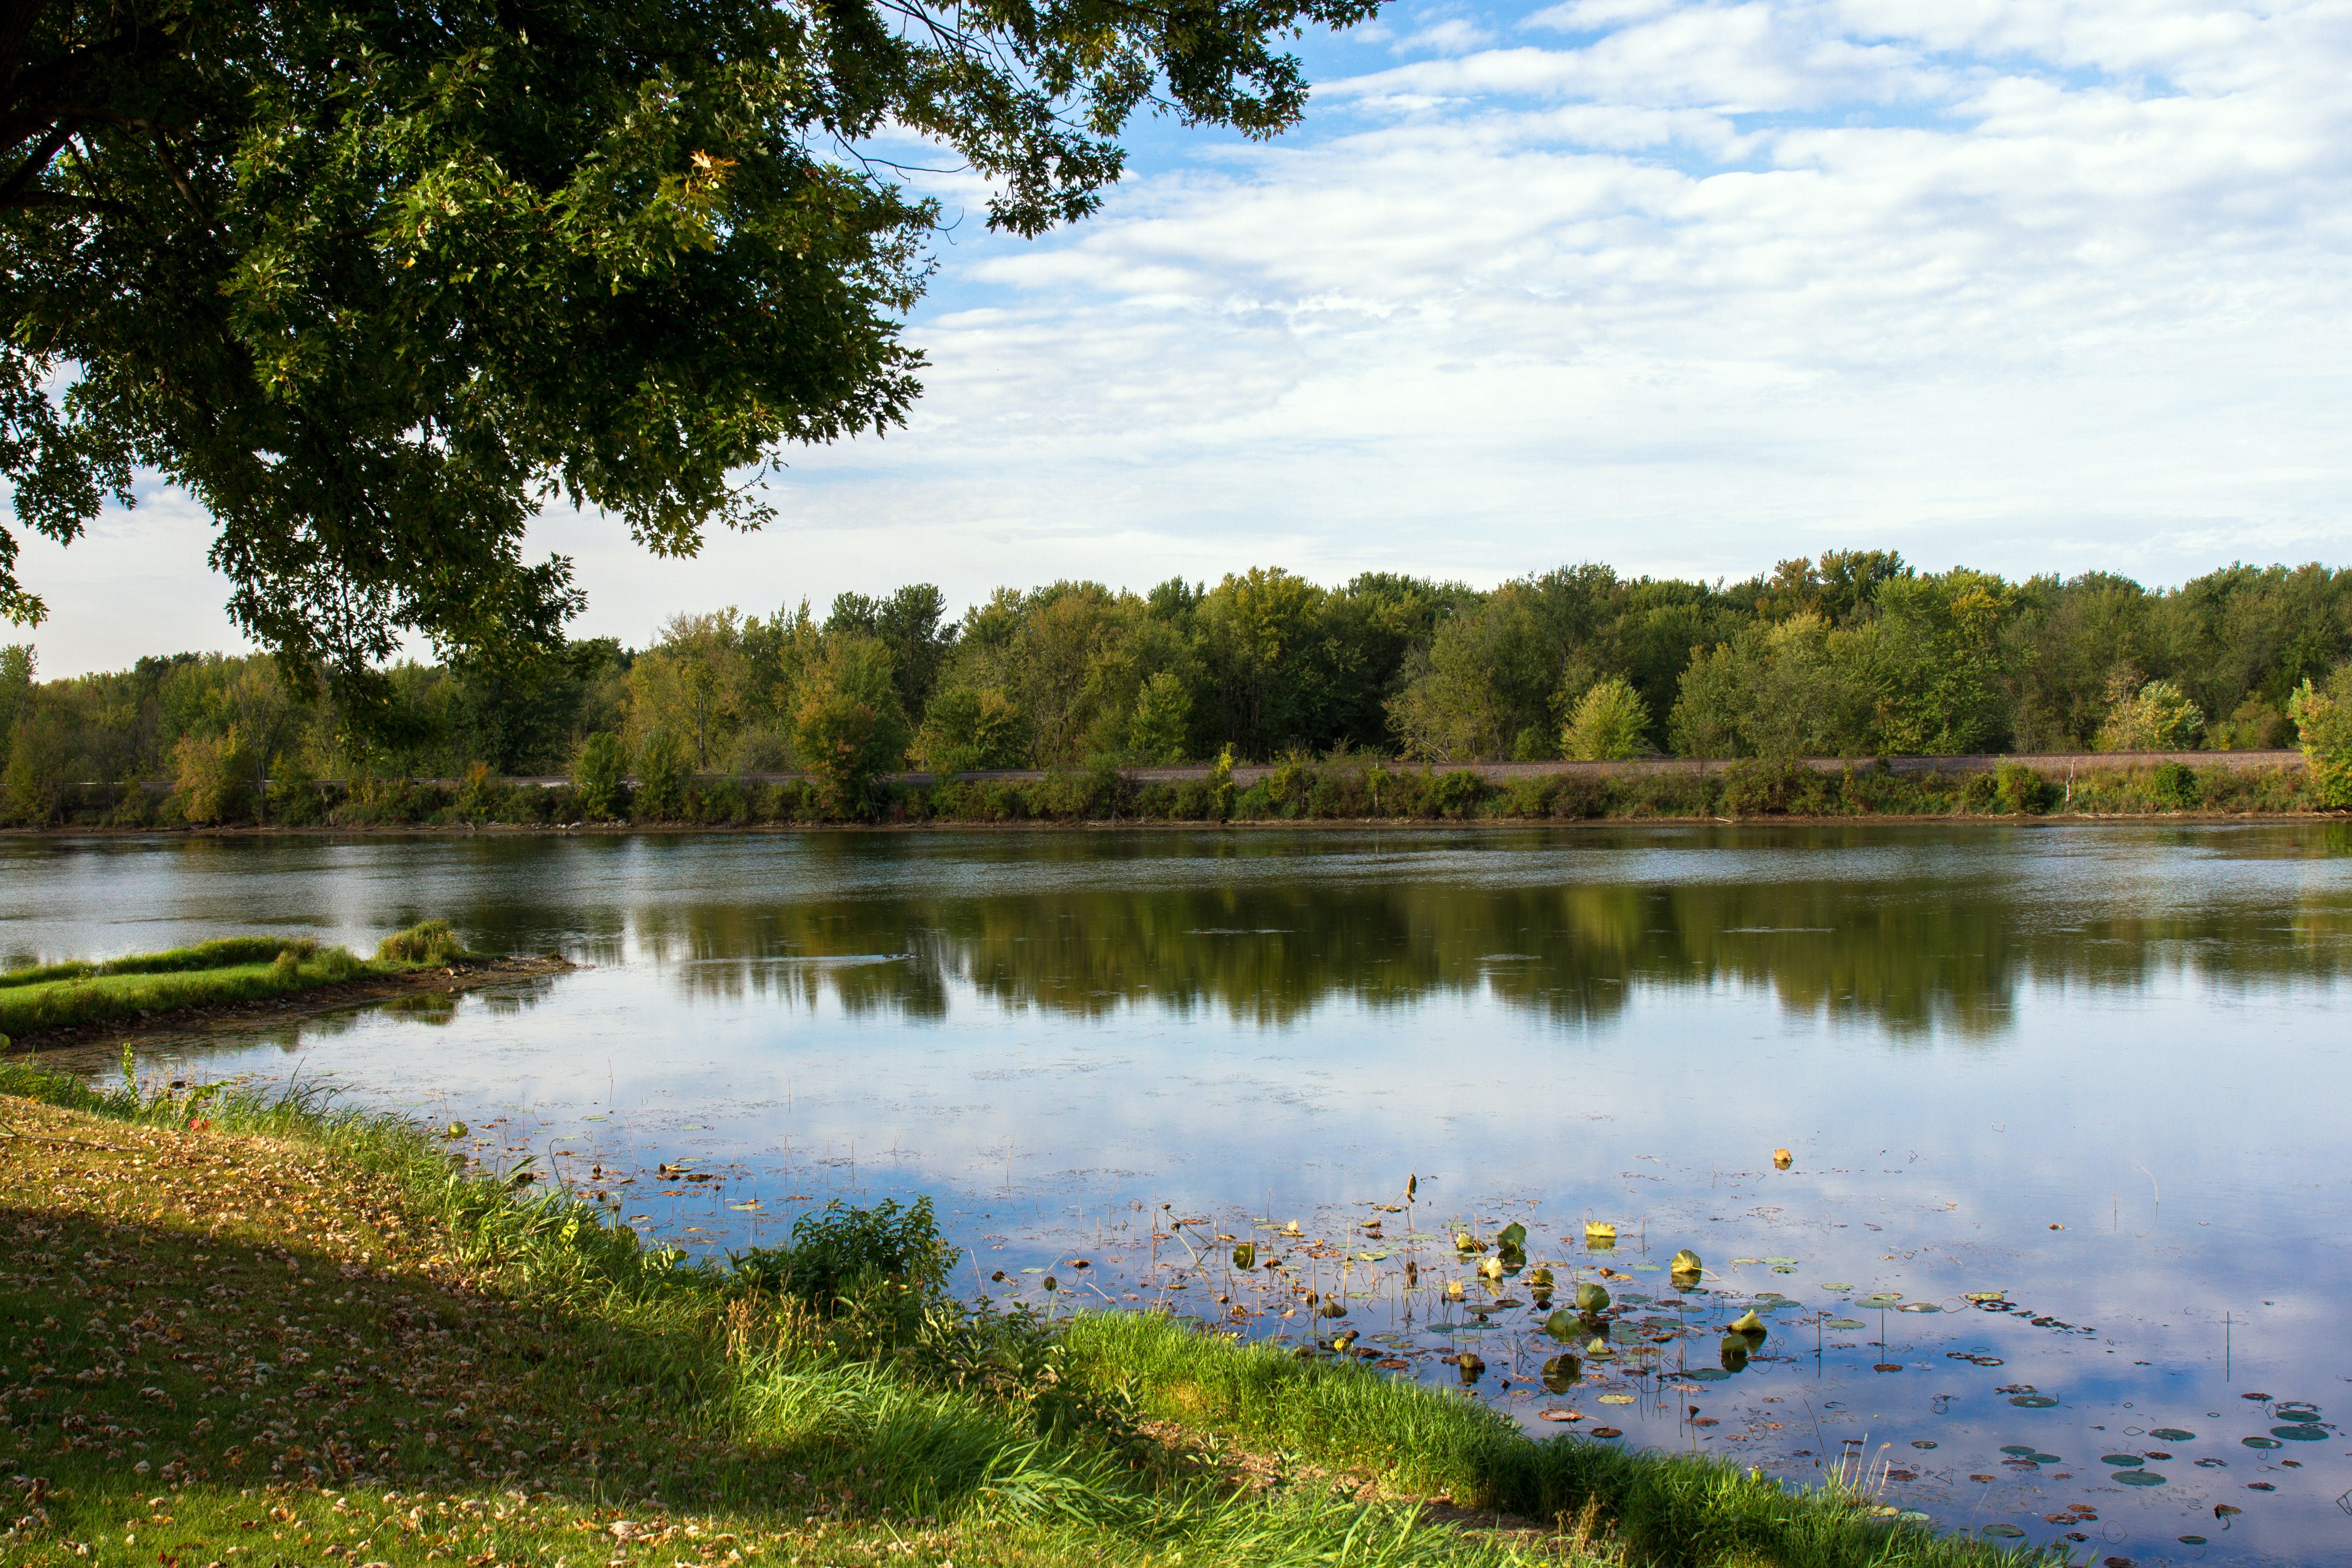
pixel 1351 790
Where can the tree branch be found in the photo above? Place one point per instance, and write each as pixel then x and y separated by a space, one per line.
pixel 50 148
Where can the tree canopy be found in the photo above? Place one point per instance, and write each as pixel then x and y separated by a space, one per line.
pixel 374 281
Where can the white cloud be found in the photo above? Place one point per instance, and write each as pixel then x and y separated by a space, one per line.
pixel 2040 285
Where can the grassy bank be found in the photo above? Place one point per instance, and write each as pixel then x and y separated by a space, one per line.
pixel 210 974
pixel 240 1332
pixel 1352 789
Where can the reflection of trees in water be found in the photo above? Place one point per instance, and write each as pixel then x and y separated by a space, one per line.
pixel 1900 955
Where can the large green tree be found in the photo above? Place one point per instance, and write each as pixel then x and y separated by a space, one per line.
pixel 374 281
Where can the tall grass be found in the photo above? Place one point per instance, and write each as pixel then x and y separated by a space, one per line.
pixel 230 969
pixel 63 1003
pixel 427 943
pixel 225 952
pixel 1671 1511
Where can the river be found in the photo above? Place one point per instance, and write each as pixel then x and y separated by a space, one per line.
pixel 2095 1076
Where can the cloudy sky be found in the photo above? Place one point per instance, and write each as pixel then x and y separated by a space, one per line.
pixel 2029 285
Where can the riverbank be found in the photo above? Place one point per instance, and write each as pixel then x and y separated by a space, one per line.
pixel 251 979
pixel 1351 790
pixel 246 1332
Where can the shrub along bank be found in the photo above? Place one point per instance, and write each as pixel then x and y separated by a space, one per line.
pixel 255 1331
pixel 231 969
pixel 1346 789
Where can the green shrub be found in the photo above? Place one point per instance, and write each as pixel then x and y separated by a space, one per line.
pixel 2160 716
pixel 428 942
pixel 1770 787
pixel 297 798
pixel 1289 787
pixel 33 780
pixel 599 777
pixel 2323 721
pixel 211 778
pixel 662 778
pixel 2175 786
pixel 1611 723
pixel 2019 790
pixel 1162 718
pixel 849 727
pixel 1456 792
pixel 1579 795
pixel 966 730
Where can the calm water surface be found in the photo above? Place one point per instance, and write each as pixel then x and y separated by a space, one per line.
pixel 2100 1071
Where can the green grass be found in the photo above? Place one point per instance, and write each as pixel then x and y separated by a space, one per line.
pixel 231 969
pixel 495 1368
pixel 1663 1509
pixel 227 952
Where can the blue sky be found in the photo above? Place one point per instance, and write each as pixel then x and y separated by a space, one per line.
pixel 2029 285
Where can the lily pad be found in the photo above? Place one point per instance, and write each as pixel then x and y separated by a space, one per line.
pixel 1603 1432
pixel 2032 1401
pixel 1919 1307
pixel 2261 1442
pixel 2128 1461
pixel 1645 1267
pixel 2002 1532
pixel 1843 1323
pixel 2173 1435
pixel 1835 1285
pixel 2300 1434
pixel 1985 1295
pixel 2016 1450
pixel 1686 1262
pixel 1591 1298
pixel 2192 1540
pixel 1704 1374
pixel 1616 1399
pixel 1561 1373
pixel 1880 1298
pixel 2139 1478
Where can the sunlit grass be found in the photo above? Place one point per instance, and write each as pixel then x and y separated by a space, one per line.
pixel 209 974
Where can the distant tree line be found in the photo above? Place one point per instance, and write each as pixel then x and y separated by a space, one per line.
pixel 1855 655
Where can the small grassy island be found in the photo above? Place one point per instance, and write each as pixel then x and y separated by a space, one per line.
pixel 152 987
pixel 244 1331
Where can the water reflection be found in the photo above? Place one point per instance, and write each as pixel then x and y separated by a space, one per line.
pixel 1909 953
pixel 1909 931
